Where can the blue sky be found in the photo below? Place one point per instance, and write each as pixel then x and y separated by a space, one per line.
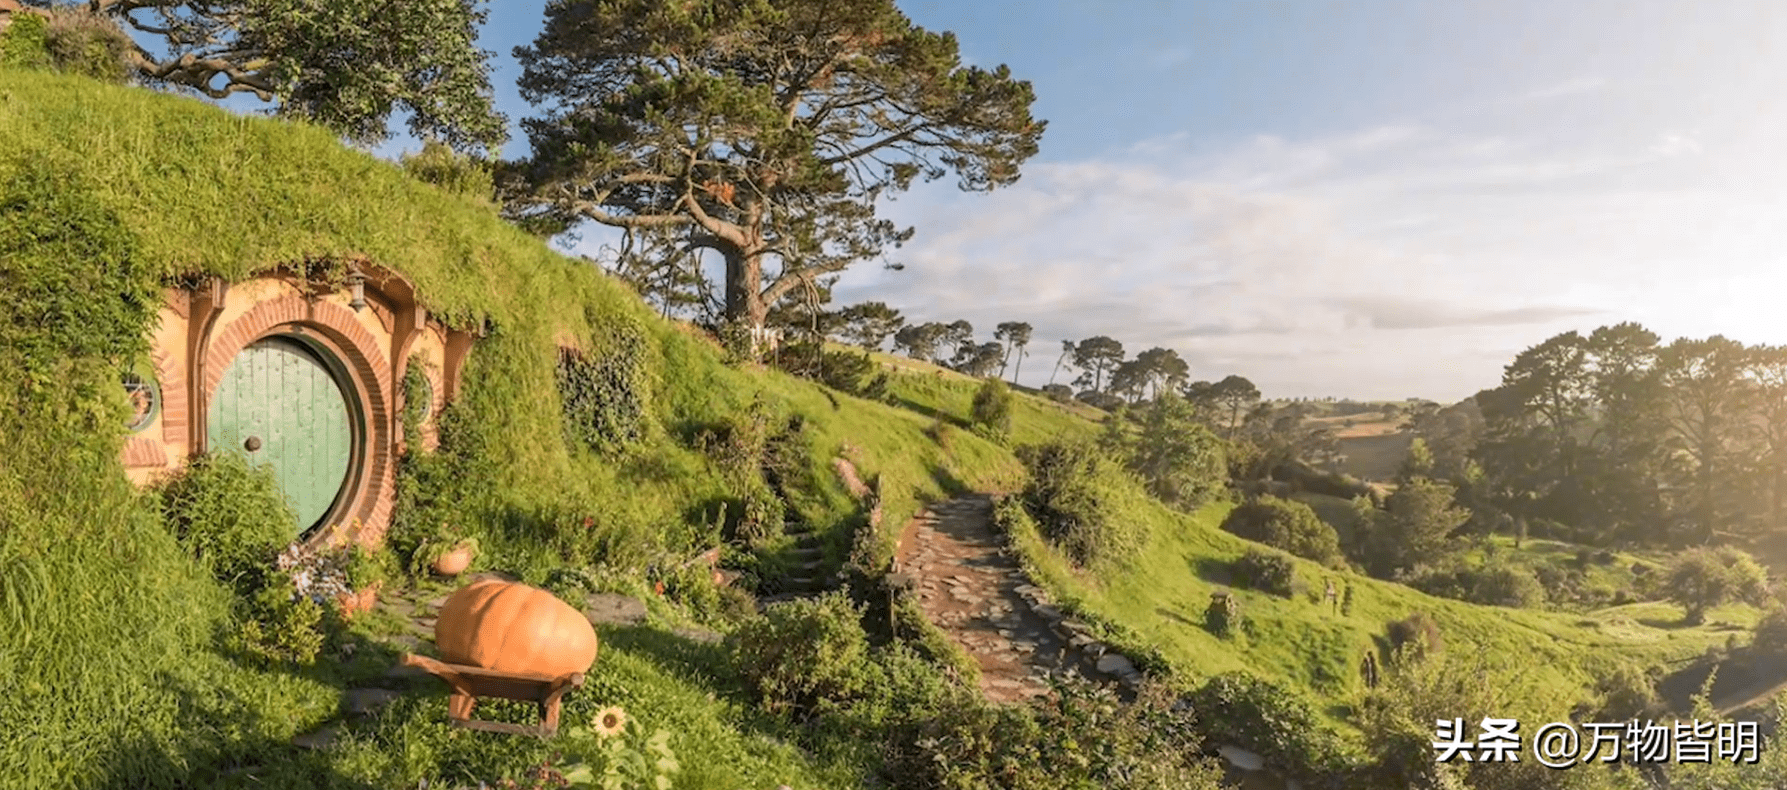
pixel 1373 198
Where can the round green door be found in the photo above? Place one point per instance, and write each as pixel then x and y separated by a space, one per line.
pixel 279 405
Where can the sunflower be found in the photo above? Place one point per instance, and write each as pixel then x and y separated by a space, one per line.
pixel 610 721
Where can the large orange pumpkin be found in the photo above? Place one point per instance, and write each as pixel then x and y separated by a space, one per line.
pixel 511 627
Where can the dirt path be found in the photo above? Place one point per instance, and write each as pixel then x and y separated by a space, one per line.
pixel 971 589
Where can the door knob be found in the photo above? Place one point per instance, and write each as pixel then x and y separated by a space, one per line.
pixel 253 443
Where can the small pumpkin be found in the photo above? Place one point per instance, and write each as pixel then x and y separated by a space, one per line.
pixel 454 561
pixel 511 627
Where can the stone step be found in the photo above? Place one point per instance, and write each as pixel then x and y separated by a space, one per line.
pixel 807 552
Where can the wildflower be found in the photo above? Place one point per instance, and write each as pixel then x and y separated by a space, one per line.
pixel 610 721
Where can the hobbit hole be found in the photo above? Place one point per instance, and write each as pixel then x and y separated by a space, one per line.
pixel 303 377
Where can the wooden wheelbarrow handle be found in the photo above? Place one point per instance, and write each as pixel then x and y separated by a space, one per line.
pixel 469 683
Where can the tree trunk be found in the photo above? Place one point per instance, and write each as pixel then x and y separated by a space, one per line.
pixel 744 295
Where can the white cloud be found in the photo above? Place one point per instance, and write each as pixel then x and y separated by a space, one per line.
pixel 1675 145
pixel 1572 87
pixel 1395 261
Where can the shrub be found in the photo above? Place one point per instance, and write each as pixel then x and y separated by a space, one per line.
pixel 1627 693
pixel 1274 721
pixel 1176 456
pixel 1267 571
pixel 1222 616
pixel 1085 738
pixel 1059 393
pixel 800 652
pixel 1507 584
pixel 24 43
pixel 1702 578
pixel 79 41
pixel 231 518
pixel 1415 636
pixel 992 408
pixel 1072 494
pixel 1285 524
pixel 1495 583
pixel 1770 640
pixel 279 626
pixel 460 174
pixel 852 372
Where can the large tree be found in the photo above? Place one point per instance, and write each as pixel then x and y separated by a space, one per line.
pixel 1767 374
pixel 1707 400
pixel 1016 335
pixel 1234 394
pixel 920 341
pixel 767 130
pixel 869 324
pixel 957 335
pixel 1098 357
pixel 1066 352
pixel 1162 368
pixel 347 65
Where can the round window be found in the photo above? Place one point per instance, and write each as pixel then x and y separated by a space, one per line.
pixel 145 399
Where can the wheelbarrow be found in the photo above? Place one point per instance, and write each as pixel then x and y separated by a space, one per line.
pixel 469 683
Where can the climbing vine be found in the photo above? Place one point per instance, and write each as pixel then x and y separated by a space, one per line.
pixel 417 397
pixel 606 394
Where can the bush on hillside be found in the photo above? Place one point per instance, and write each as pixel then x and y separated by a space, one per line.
pixel 460 174
pixel 1223 616
pixel 1415 636
pixel 1073 494
pixel 1176 456
pixel 1628 693
pixel 1507 584
pixel 1702 578
pixel 1497 582
pixel 1059 393
pixel 69 39
pixel 991 410
pixel 1285 524
pixel 1274 721
pixel 800 652
pixel 1085 738
pixel 851 372
pixel 1267 571
pixel 1770 637
pixel 231 518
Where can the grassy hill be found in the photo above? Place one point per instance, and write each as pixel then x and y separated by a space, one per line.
pixel 114 665
pixel 108 193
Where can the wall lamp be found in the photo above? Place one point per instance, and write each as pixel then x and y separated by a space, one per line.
pixel 356 283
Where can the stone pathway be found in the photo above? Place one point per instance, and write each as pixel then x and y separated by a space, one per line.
pixel 970 588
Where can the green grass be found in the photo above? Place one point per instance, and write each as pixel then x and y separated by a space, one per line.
pixel 1300 640
pixel 946 395
pixel 98 603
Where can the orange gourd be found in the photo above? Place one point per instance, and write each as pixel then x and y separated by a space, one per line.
pixel 511 627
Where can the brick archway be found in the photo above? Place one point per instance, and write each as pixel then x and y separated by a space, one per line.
pixel 369 490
